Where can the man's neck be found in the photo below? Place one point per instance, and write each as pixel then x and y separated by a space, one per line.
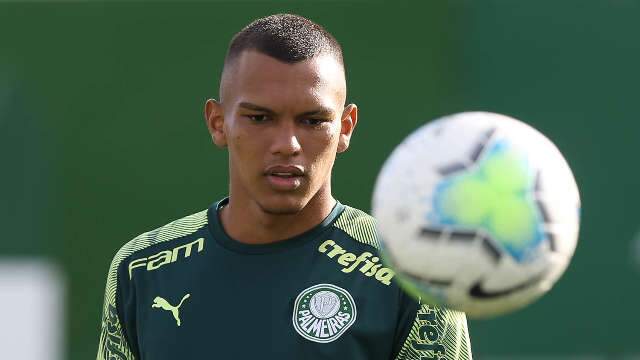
pixel 250 224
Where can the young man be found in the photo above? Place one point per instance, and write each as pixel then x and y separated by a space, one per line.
pixel 279 269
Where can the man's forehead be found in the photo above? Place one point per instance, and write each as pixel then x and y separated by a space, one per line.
pixel 326 58
pixel 253 70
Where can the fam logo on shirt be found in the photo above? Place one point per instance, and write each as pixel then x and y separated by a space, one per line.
pixel 323 312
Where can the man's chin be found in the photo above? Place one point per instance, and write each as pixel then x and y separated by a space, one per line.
pixel 281 210
pixel 282 206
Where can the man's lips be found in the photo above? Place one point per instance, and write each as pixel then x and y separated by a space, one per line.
pixel 285 170
pixel 285 177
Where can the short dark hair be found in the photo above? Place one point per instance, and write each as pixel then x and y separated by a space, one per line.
pixel 286 37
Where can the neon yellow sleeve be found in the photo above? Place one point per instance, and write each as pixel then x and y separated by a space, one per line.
pixel 437 333
pixel 113 344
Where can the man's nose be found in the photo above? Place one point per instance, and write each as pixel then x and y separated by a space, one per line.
pixel 286 140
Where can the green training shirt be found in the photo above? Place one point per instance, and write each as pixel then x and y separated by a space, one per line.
pixel 188 291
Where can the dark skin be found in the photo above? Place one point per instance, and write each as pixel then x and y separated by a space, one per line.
pixel 283 125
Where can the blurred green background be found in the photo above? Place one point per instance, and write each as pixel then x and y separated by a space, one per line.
pixel 102 134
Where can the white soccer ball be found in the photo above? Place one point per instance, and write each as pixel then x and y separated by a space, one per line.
pixel 478 212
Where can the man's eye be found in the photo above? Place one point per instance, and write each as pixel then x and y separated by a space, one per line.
pixel 313 122
pixel 257 118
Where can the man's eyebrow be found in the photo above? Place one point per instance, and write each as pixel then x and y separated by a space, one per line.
pixel 250 106
pixel 322 111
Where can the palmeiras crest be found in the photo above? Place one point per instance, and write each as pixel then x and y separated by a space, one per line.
pixel 323 312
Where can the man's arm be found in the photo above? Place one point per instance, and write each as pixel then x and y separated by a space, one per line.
pixel 113 343
pixel 432 333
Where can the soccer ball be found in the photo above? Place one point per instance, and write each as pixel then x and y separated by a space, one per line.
pixel 477 212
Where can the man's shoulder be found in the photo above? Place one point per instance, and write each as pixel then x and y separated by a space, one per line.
pixel 359 225
pixel 162 236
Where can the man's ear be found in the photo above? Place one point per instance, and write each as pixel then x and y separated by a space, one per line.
pixel 347 125
pixel 214 117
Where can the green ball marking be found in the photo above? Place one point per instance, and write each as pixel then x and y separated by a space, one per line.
pixel 506 173
pixel 495 196
pixel 511 221
pixel 468 200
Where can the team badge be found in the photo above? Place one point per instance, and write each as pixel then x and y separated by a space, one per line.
pixel 323 312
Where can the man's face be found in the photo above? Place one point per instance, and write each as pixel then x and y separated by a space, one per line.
pixel 283 125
